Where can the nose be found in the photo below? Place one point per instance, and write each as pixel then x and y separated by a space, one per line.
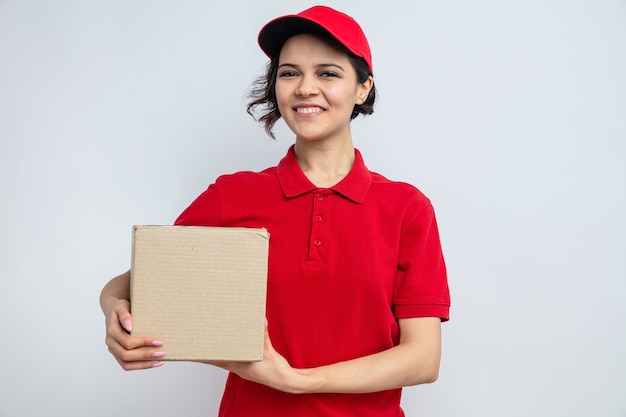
pixel 307 86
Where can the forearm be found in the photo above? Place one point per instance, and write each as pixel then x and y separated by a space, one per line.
pixel 414 361
pixel 117 288
pixel 394 368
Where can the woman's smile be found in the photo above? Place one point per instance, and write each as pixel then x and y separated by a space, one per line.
pixel 309 110
pixel 316 89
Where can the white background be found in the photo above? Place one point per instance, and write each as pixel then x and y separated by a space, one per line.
pixel 510 116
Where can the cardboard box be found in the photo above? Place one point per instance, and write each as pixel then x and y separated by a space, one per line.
pixel 201 290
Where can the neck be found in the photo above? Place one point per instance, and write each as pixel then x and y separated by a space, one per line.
pixel 324 164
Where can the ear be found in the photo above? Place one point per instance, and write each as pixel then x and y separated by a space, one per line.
pixel 364 90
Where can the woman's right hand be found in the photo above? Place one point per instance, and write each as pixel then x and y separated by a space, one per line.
pixel 131 352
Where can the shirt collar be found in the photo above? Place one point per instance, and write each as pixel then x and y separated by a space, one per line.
pixel 353 186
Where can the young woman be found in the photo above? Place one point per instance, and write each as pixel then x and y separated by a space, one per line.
pixel 357 285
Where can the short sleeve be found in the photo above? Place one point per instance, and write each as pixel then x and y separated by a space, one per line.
pixel 203 211
pixel 421 288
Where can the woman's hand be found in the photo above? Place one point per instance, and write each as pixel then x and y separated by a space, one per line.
pixel 273 371
pixel 131 352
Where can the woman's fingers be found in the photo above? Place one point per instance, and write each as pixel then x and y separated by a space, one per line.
pixel 137 352
pixel 131 352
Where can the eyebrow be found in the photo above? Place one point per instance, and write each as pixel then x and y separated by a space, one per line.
pixel 287 64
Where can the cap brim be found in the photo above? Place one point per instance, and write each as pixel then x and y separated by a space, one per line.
pixel 275 33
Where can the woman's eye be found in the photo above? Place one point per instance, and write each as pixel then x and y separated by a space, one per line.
pixel 288 74
pixel 328 74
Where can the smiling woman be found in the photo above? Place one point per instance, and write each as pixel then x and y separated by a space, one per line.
pixel 263 93
pixel 317 89
pixel 357 286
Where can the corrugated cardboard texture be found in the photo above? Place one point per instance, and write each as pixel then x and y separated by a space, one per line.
pixel 201 290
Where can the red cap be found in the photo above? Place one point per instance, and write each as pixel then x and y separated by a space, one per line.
pixel 317 19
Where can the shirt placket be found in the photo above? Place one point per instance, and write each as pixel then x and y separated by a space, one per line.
pixel 318 244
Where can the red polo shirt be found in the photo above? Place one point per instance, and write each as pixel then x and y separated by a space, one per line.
pixel 345 263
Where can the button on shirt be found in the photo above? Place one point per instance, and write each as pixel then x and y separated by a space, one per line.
pixel 345 264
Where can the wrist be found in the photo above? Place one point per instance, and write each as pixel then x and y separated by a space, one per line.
pixel 309 381
pixel 108 304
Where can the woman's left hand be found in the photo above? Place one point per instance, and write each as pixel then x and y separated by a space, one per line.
pixel 273 371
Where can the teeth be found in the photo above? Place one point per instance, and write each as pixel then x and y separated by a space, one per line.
pixel 308 110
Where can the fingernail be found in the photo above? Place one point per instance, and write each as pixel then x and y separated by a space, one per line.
pixel 266 323
pixel 128 325
pixel 158 354
pixel 157 364
pixel 157 343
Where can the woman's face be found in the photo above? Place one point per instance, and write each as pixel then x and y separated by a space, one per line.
pixel 317 88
